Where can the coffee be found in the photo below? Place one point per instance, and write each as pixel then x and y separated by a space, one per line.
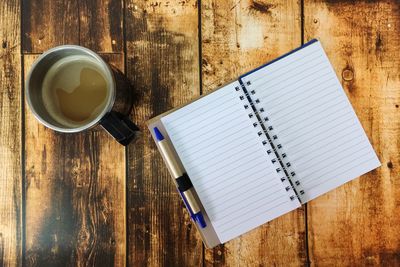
pixel 75 90
pixel 71 89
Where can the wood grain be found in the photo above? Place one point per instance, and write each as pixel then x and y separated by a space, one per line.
pixel 93 24
pixel 162 62
pixel 101 25
pixel 75 200
pixel 238 36
pixel 75 195
pixel 358 223
pixel 10 138
pixel 75 184
pixel 48 23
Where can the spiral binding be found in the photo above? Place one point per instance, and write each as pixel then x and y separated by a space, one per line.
pixel 279 158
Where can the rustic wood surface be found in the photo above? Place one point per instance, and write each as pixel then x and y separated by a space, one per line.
pixel 238 36
pixel 11 164
pixel 74 184
pixel 358 223
pixel 163 65
pixel 83 200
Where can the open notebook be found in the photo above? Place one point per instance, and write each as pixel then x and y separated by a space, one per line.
pixel 259 147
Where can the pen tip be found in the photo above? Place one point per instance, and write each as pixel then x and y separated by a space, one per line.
pixel 158 134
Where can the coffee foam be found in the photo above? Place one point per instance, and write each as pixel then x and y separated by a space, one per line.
pixel 66 74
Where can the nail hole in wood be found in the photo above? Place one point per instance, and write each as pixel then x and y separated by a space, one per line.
pixel 347 75
pixel 390 165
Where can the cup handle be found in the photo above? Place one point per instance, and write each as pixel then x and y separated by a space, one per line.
pixel 120 127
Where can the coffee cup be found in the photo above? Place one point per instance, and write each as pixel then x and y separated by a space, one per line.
pixel 71 89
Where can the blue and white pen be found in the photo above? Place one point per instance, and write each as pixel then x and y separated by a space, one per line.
pixel 182 180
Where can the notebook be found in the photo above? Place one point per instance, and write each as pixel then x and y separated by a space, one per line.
pixel 268 142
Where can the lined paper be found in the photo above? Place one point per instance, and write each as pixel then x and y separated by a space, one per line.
pixel 227 163
pixel 313 119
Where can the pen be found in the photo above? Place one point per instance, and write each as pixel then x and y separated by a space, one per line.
pixel 182 180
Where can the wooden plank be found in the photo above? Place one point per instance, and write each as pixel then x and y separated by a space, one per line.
pixel 10 138
pixel 94 24
pixel 101 25
pixel 75 200
pixel 77 180
pixel 358 223
pixel 48 23
pixel 162 60
pixel 238 36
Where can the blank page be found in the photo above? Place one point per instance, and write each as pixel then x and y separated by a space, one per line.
pixel 227 163
pixel 313 119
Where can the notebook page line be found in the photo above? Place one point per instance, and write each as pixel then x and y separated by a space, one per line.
pixel 308 122
pixel 234 108
pixel 296 75
pixel 284 64
pixel 233 159
pixel 181 115
pixel 314 134
pixel 206 136
pixel 305 69
pixel 214 177
pixel 303 74
pixel 250 218
pixel 338 109
pixel 287 59
pixel 221 152
pixel 268 91
pixel 319 182
pixel 321 101
pixel 237 149
pixel 306 103
pixel 228 213
pixel 221 214
pixel 315 151
pixel 329 167
pixel 206 139
pixel 346 174
pixel 223 170
pixel 200 110
pixel 247 190
pixel 345 129
pixel 320 159
pixel 229 181
pixel 219 117
pixel 262 192
pixel 251 163
pixel 192 129
pixel 314 89
pixel 254 208
pixel 181 140
pixel 302 126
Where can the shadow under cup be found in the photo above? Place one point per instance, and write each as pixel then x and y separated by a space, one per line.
pixel 113 116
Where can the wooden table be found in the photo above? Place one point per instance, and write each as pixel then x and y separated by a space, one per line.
pixel 85 200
